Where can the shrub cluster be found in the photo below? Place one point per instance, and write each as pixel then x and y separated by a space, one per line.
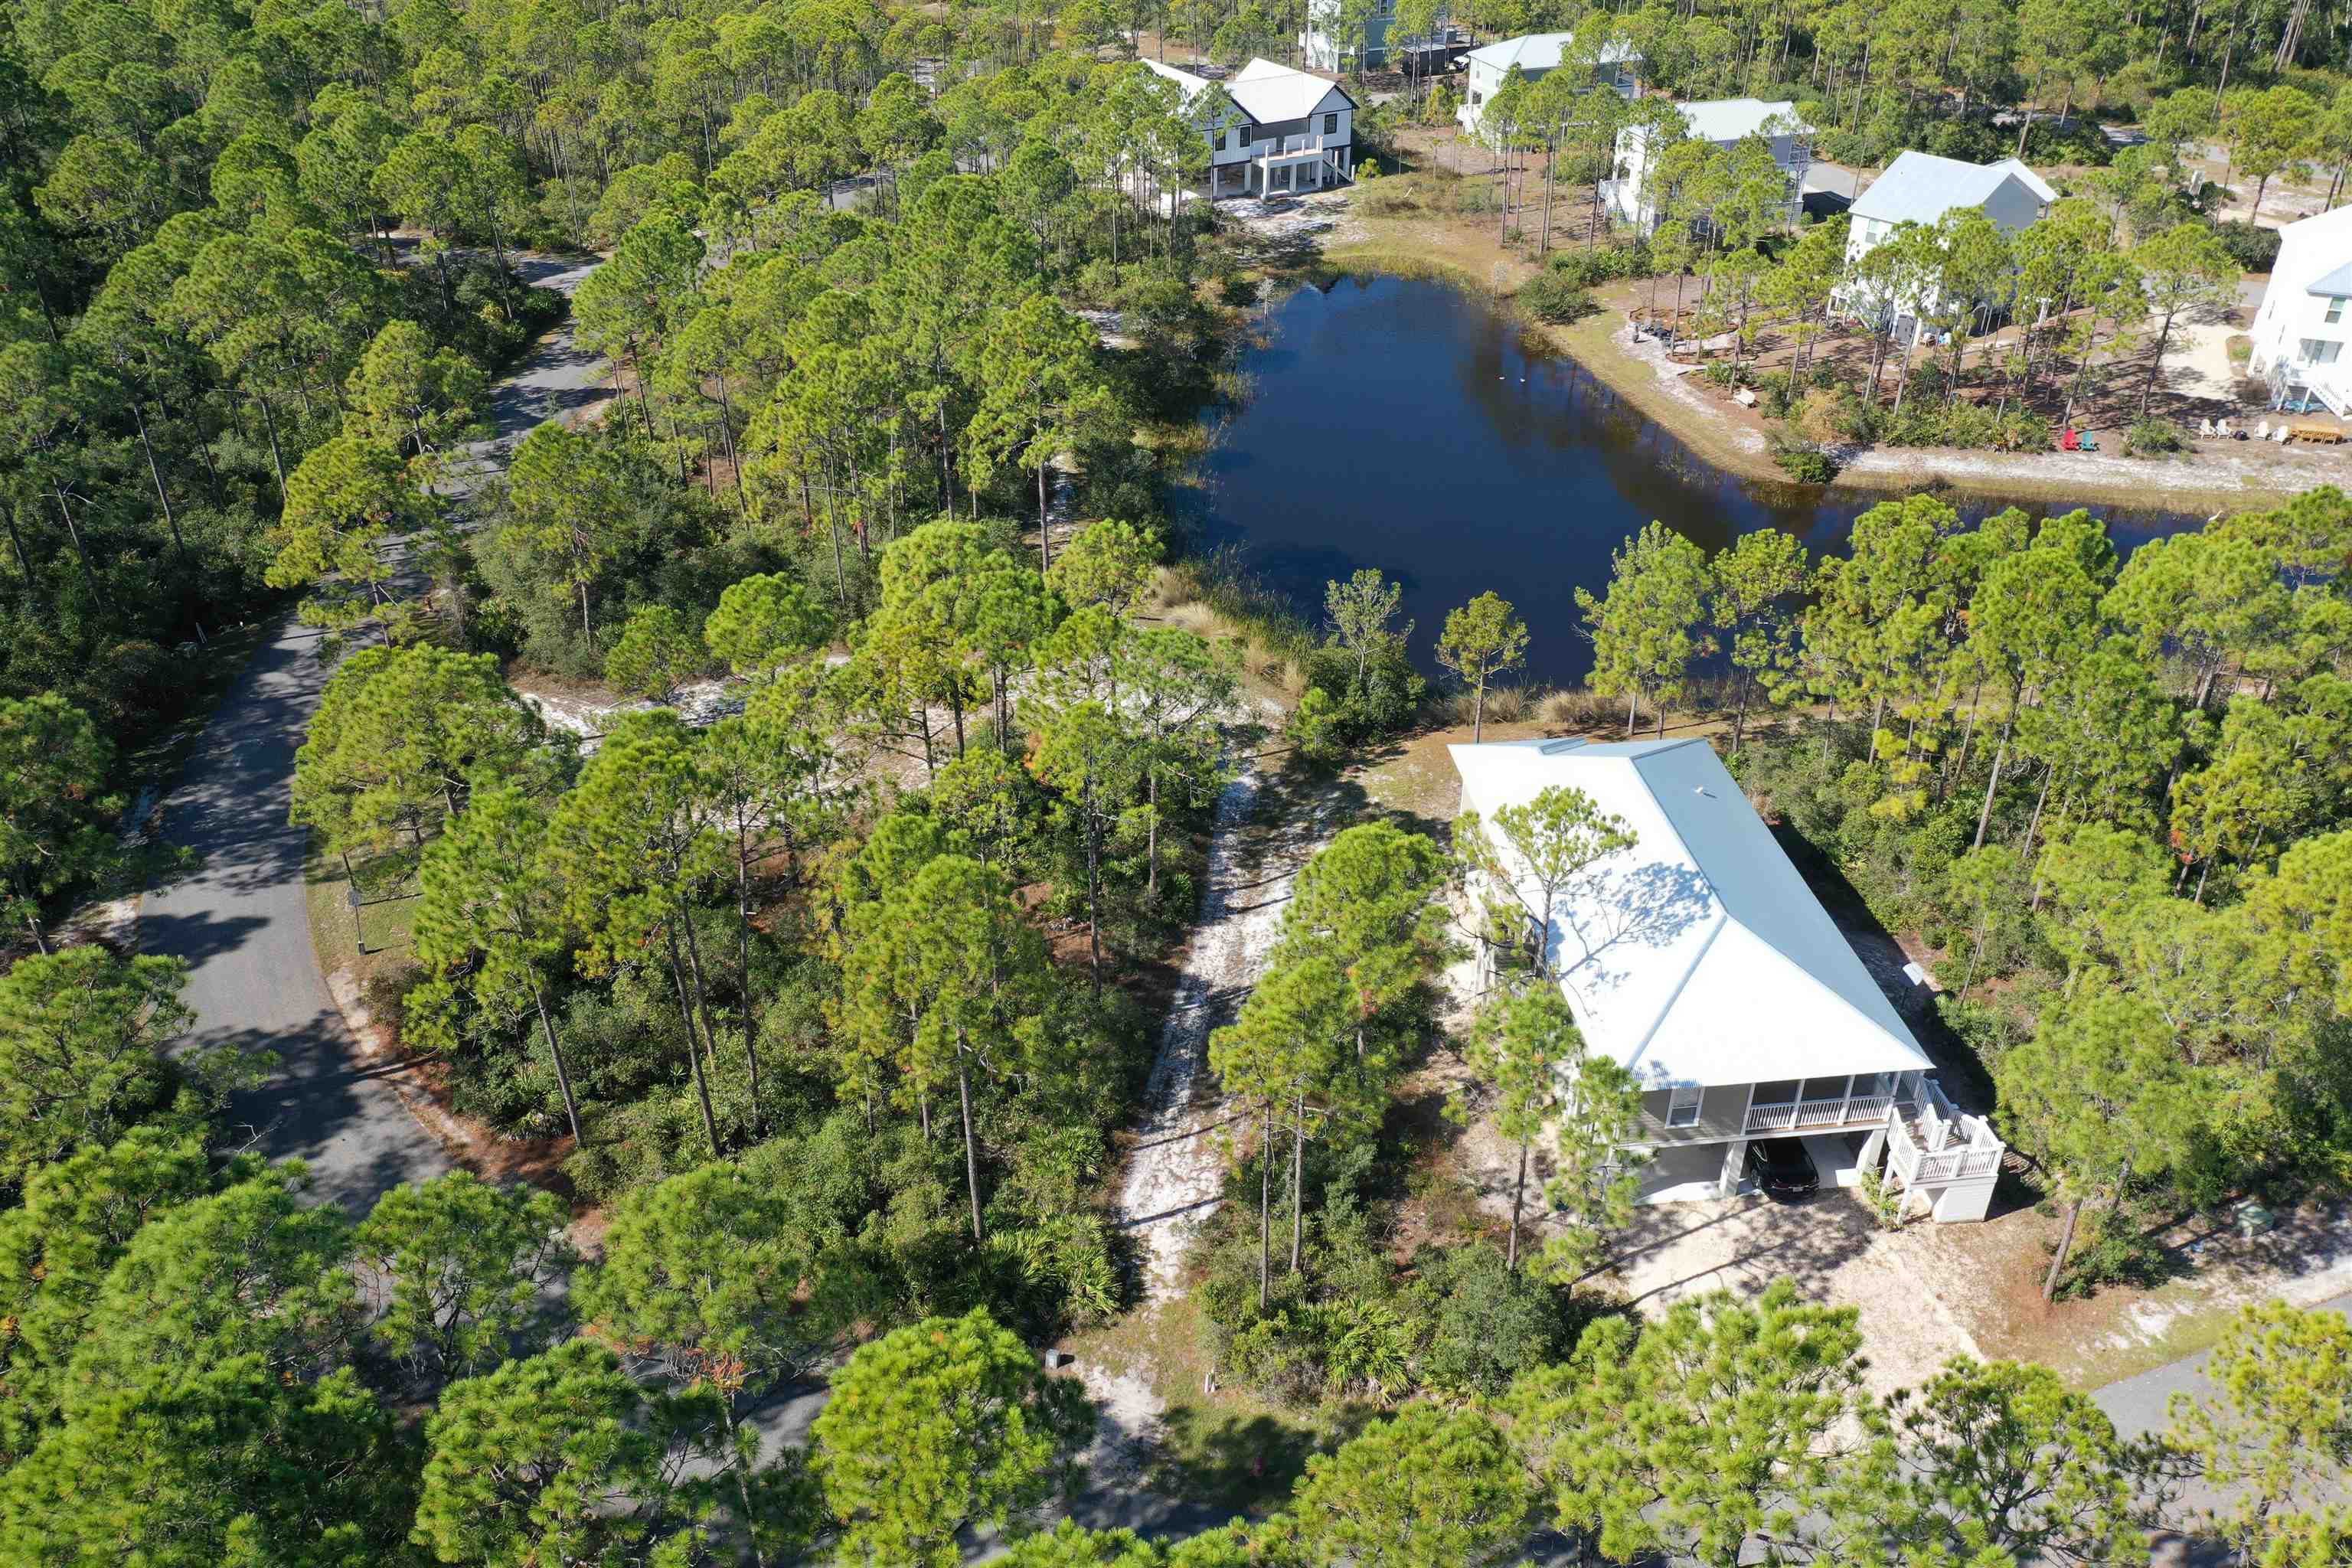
pixel 1548 297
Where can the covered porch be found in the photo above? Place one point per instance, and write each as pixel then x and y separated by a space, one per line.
pixel 1823 1104
pixel 1274 172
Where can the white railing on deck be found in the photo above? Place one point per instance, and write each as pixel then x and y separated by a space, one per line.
pixel 1938 1160
pixel 1857 1109
pixel 1919 1169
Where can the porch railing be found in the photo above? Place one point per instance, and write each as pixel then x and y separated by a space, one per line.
pixel 1916 1167
pixel 1860 1109
pixel 1947 1145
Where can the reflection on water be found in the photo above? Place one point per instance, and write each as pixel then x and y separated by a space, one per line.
pixel 1400 423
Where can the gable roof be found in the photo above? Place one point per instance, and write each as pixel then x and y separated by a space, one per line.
pixel 1262 90
pixel 1920 187
pixel 1542 52
pixel 1729 119
pixel 2336 284
pixel 1699 955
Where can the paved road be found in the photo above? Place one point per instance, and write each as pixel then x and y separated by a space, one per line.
pixel 241 920
pixel 2141 1404
pixel 2138 1404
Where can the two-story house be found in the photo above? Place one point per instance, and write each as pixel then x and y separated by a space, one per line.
pixel 1538 55
pixel 1322 47
pixel 1287 130
pixel 2306 314
pixel 1724 122
pixel 1920 188
pixel 1698 959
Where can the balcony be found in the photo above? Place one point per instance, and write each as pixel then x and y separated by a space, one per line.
pixel 1816 1106
pixel 1941 1145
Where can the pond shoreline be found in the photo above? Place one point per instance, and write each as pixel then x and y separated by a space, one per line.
pixel 1601 346
pixel 1406 425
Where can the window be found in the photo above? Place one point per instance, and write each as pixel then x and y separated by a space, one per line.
pixel 2319 350
pixel 2334 309
pixel 1331 128
pixel 1682 1105
pixel 1242 135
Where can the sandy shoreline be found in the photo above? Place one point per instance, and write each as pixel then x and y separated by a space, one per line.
pixel 2246 476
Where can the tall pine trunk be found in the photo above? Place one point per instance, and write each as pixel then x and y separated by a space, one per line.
pixel 971 1154
pixel 693 1049
pixel 2065 1245
pixel 1519 1198
pixel 563 1070
pixel 1264 1196
pixel 1297 1180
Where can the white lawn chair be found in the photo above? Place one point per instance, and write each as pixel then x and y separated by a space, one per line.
pixel 2280 435
pixel 2205 427
pixel 2262 431
pixel 2222 427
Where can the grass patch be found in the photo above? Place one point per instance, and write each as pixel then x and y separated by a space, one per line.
pixel 374 948
pixel 1226 1448
pixel 1216 598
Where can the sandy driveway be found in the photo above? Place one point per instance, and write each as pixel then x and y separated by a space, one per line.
pixel 1177 1160
pixel 1830 1246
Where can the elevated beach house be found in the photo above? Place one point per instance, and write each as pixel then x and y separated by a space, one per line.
pixel 1724 121
pixel 1921 188
pixel 1324 48
pixel 2307 315
pixel 1285 131
pixel 1699 960
pixel 1538 55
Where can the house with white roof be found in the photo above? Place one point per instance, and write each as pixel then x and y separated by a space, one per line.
pixel 1538 55
pixel 1321 47
pixel 1287 130
pixel 1699 960
pixel 1921 188
pixel 2300 331
pixel 1724 122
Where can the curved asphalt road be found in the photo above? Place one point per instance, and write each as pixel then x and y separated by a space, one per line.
pixel 241 920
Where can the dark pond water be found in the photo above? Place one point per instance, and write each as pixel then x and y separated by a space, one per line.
pixel 1401 423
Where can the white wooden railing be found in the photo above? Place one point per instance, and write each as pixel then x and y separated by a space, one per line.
pixel 1931 1157
pixel 1860 1109
pixel 1918 1169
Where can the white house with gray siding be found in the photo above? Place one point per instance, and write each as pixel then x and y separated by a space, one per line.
pixel 1319 44
pixel 1287 130
pixel 1920 188
pixel 1699 960
pixel 1726 122
pixel 2306 317
pixel 1615 63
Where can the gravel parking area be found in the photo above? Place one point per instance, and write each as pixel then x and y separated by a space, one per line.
pixel 1830 1246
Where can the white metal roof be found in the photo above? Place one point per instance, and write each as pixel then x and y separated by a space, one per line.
pixel 1699 955
pixel 1920 187
pixel 1542 52
pixel 1729 119
pixel 1264 90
